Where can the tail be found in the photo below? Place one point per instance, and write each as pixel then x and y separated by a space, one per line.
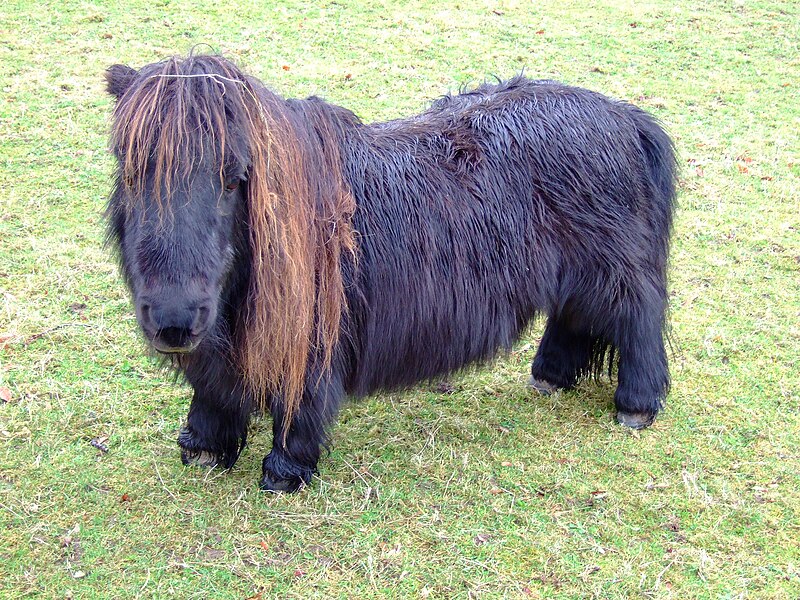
pixel 662 170
pixel 662 175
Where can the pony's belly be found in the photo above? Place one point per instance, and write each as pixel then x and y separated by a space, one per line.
pixel 404 349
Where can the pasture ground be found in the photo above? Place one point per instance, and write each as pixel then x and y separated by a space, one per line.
pixel 477 490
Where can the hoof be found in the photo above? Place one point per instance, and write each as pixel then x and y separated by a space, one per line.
pixel 635 420
pixel 543 387
pixel 202 458
pixel 281 475
pixel 280 486
pixel 193 451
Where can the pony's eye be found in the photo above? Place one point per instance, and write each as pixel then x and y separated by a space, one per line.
pixel 231 185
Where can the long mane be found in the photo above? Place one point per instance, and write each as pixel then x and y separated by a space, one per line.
pixel 179 111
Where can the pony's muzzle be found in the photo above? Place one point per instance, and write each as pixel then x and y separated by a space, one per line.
pixel 174 327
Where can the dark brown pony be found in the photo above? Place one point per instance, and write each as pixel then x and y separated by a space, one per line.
pixel 284 255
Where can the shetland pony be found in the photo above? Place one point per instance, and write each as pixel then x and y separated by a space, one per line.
pixel 283 255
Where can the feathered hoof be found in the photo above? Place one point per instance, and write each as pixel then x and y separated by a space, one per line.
pixel 202 458
pixel 279 474
pixel 543 387
pixel 269 483
pixel 639 420
pixel 195 451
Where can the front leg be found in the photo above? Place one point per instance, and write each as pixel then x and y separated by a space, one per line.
pixel 215 432
pixel 292 462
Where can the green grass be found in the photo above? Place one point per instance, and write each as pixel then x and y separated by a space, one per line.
pixel 488 491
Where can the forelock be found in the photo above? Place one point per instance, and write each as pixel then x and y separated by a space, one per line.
pixel 177 113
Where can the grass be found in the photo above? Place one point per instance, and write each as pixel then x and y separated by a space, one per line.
pixel 486 491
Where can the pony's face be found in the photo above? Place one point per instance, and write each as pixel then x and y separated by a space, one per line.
pixel 176 237
pixel 177 252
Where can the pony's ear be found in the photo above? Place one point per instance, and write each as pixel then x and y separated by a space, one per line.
pixel 118 79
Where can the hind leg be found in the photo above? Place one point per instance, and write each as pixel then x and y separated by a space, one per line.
pixel 563 356
pixel 643 379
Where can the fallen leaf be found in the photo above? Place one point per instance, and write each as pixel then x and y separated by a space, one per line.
pixel 391 550
pixel 672 525
pixel 5 394
pixel 299 572
pixel 505 463
pixel 348 76
pixel 540 32
pixel 214 553
pixel 651 485
pixel 77 307
pixel 285 67
pixel 125 498
pixel 589 570
pixel 264 546
pixel 100 443
pixel 494 491
pixel 444 387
